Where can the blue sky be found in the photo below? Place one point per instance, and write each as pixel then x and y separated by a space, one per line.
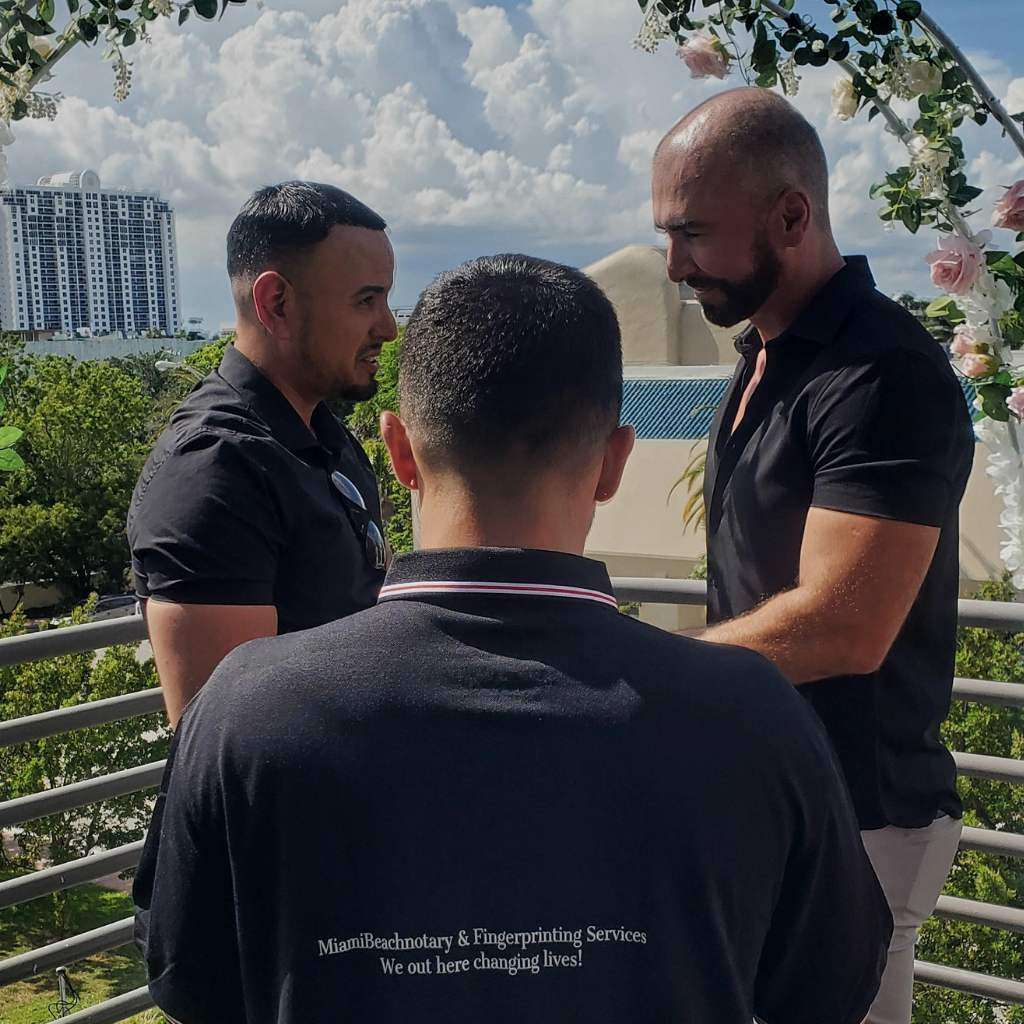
pixel 472 127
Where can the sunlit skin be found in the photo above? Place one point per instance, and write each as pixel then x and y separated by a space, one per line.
pixel 316 326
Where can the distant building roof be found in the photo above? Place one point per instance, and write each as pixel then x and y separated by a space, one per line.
pixel 675 408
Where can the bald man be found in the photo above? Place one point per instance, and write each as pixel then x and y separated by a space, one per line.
pixel 836 464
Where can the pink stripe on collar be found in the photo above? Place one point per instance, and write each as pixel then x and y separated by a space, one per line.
pixel 392 590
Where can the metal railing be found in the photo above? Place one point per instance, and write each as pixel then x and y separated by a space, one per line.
pixel 92 636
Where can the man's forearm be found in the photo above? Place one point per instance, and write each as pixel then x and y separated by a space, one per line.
pixel 801 637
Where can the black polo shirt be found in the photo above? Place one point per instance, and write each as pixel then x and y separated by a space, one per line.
pixel 858 411
pixel 494 798
pixel 235 505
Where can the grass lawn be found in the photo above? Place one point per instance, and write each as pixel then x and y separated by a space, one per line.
pixel 100 977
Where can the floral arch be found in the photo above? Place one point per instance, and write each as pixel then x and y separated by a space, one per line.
pixel 892 50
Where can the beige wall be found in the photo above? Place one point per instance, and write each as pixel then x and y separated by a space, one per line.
pixel 660 325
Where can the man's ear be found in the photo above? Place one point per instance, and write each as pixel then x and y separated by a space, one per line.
pixel 616 452
pixel 403 462
pixel 794 216
pixel 273 299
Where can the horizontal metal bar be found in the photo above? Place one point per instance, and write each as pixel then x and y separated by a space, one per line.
pixel 984 840
pixel 112 1010
pixel 1007 616
pixel 984 691
pixel 80 794
pixel 74 872
pixel 50 643
pixel 82 716
pixel 991 915
pixel 78 947
pixel 982 766
pixel 660 591
pixel 1002 989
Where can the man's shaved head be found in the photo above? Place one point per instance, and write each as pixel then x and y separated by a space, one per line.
pixel 755 140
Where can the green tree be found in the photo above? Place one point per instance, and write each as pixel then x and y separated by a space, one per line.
pixel 364 422
pixel 37 686
pixel 981 729
pixel 84 442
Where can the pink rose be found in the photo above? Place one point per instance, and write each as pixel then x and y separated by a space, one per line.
pixel 977 366
pixel 1015 403
pixel 964 343
pixel 1009 211
pixel 956 264
pixel 705 56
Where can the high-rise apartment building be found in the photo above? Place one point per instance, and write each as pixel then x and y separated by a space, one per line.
pixel 77 256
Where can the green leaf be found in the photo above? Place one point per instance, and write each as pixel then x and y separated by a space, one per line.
pixel 790 40
pixel 994 256
pixel 73 6
pixel 838 49
pixel 819 58
pixel 882 23
pixel 45 10
pixel 183 15
pixel 872 113
pixel 128 39
pixel 993 401
pixel 911 217
pixel 33 25
pixel 10 460
pixel 8 435
pixel 87 30
pixel 1003 377
pixel 3 372
pixel 207 9
pixel 1006 267
pixel 880 188
pixel 865 10
pixel 940 307
pixel 908 10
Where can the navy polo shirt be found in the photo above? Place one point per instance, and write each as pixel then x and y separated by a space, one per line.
pixel 235 505
pixel 860 411
pixel 493 797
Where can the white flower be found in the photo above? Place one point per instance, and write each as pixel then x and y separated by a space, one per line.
pixel 930 163
pixel 163 8
pixel 652 29
pixel 789 78
pixel 844 99
pixel 923 78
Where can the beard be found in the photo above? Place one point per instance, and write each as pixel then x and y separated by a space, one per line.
pixel 349 392
pixel 740 299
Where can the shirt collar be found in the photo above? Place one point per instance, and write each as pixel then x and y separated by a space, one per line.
pixel 822 317
pixel 263 398
pixel 507 572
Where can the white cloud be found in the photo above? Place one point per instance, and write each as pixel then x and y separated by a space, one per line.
pixel 471 128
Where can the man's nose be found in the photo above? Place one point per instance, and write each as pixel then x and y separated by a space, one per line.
pixel 678 261
pixel 388 327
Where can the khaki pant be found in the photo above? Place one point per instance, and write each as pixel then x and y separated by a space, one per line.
pixel 912 865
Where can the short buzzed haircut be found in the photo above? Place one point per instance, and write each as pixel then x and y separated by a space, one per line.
pixel 762 133
pixel 280 221
pixel 509 358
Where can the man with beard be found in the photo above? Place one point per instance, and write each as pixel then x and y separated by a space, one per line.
pixel 835 468
pixel 257 512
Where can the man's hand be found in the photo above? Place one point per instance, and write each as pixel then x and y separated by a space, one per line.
pixel 859 577
pixel 190 640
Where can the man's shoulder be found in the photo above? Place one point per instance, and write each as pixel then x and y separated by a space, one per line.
pixel 880 328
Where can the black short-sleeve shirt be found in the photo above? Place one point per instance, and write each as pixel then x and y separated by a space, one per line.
pixel 494 798
pixel 235 505
pixel 860 411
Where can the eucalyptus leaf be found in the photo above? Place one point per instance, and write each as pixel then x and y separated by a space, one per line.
pixel 207 9
pixel 10 460
pixel 8 436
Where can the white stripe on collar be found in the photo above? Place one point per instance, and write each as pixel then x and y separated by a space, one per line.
pixel 391 590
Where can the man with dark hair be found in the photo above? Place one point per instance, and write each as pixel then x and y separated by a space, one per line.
pixel 493 797
pixel 836 464
pixel 257 512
